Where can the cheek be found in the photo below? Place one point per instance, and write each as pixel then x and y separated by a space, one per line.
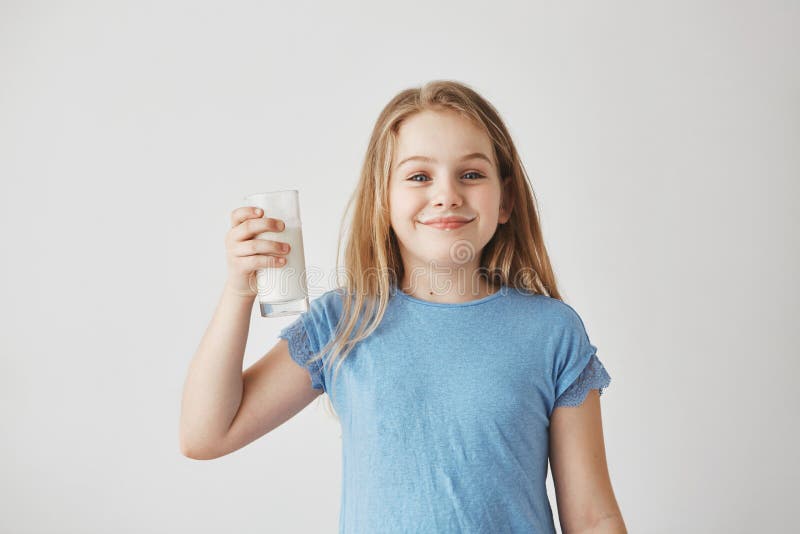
pixel 490 205
pixel 397 216
pixel 400 204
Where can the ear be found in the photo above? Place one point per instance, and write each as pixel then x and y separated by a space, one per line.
pixel 507 201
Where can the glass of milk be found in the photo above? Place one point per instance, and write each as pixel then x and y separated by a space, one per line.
pixel 282 290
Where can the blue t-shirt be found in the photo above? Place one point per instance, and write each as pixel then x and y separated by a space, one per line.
pixel 445 408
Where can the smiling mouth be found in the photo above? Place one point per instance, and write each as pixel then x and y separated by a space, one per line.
pixel 452 225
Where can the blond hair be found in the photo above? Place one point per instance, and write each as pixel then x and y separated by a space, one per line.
pixel 515 256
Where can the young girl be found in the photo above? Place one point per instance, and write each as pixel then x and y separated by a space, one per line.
pixel 454 366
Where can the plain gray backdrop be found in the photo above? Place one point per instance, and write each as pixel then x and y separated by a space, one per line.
pixel 662 140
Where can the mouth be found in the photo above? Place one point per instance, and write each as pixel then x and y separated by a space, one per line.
pixel 448 223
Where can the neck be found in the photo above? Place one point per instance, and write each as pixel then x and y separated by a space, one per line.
pixel 446 285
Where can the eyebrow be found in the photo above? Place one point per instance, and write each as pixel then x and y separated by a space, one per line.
pixel 474 155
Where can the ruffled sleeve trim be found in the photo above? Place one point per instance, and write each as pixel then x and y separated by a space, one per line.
pixel 300 350
pixel 593 376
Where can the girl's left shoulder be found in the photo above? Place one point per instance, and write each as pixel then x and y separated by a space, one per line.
pixel 544 307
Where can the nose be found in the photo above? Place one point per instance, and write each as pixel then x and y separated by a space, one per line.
pixel 446 193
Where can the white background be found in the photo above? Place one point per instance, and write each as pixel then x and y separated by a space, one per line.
pixel 663 144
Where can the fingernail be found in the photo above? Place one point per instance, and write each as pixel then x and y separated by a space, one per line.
pixel 258 211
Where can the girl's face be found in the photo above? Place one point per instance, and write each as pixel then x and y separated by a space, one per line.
pixel 444 167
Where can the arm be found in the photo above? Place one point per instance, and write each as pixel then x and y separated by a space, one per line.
pixel 585 498
pixel 224 409
pixel 213 387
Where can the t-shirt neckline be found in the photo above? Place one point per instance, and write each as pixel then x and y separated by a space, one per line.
pixel 500 292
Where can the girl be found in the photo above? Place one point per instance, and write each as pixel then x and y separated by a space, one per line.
pixel 456 369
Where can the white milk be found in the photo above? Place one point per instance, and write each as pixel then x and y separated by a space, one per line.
pixel 287 282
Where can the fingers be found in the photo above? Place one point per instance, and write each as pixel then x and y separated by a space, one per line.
pixel 247 253
pixel 250 226
pixel 246 256
pixel 248 264
pixel 243 213
pixel 260 246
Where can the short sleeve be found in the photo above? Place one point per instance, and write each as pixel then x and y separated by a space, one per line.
pixel 577 368
pixel 311 331
pixel 593 376
pixel 300 350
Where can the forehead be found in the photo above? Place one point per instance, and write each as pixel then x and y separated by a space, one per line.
pixel 430 132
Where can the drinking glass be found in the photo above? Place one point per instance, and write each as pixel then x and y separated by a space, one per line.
pixel 282 290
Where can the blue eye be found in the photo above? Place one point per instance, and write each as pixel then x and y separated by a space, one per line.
pixel 478 176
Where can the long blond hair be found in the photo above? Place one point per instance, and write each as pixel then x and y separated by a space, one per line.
pixel 515 256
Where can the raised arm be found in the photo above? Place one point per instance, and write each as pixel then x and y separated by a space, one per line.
pixel 212 391
pixel 222 408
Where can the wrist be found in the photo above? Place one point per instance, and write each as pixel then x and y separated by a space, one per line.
pixel 239 292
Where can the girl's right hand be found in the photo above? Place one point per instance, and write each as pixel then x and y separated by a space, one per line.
pixel 247 253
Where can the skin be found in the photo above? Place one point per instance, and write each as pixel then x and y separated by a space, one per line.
pixel 442 265
pixel 584 495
